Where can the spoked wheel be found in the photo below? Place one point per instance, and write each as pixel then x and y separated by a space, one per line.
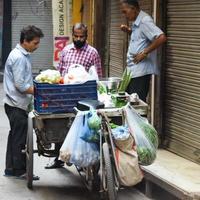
pixel 109 174
pixel 90 177
pixel 29 154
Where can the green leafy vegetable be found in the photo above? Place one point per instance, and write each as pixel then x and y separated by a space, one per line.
pixel 113 125
pixel 101 88
pixel 126 78
pixel 146 155
pixel 151 133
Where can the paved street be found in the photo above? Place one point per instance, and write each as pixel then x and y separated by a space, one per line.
pixel 54 184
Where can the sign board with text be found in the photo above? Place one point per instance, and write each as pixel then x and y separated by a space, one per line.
pixel 61 26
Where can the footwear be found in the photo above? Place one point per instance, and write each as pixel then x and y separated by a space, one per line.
pixel 24 177
pixel 9 173
pixel 55 164
pixel 69 164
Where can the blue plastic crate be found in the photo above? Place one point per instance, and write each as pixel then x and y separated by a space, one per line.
pixel 61 98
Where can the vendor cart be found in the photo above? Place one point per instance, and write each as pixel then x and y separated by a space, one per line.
pixel 51 129
pixel 53 115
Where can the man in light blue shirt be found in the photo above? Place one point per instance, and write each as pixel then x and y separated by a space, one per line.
pixel 146 37
pixel 18 88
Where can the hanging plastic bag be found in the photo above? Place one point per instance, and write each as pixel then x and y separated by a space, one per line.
pixel 92 124
pixel 145 136
pixel 74 149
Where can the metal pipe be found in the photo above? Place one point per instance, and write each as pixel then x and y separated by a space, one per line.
pixel 153 76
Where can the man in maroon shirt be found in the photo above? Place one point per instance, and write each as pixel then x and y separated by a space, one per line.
pixel 78 52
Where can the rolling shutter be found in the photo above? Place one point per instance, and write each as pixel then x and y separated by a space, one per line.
pixel 38 13
pixel 182 79
pixel 117 41
pixel 146 6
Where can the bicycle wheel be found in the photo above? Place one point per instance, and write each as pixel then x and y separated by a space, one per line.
pixel 109 175
pixel 29 154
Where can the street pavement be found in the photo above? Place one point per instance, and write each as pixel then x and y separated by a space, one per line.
pixel 54 184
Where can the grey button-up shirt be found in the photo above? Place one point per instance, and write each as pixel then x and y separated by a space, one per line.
pixel 144 31
pixel 17 78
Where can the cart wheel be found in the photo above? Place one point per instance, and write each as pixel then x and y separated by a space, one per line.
pixel 93 180
pixel 29 154
pixel 109 175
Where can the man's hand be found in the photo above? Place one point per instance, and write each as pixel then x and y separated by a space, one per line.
pixel 139 57
pixel 125 28
pixel 30 90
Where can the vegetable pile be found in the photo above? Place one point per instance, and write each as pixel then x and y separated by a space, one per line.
pixel 49 76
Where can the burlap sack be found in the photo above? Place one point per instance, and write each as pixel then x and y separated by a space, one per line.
pixel 125 145
pixel 128 168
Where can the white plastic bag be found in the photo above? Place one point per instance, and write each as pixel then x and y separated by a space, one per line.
pixel 76 74
pixel 145 136
pixel 74 149
pixel 93 73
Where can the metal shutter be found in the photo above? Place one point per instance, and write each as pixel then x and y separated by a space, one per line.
pixel 182 79
pixel 117 41
pixel 146 5
pixel 38 13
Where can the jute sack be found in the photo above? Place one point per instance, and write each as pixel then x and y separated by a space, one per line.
pixel 128 168
pixel 125 145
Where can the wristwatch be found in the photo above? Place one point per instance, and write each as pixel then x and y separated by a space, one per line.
pixel 144 53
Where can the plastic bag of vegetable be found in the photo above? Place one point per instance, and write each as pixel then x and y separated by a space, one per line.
pixel 145 136
pixel 74 149
pixel 91 131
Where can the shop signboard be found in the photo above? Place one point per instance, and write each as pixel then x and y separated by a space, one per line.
pixel 61 10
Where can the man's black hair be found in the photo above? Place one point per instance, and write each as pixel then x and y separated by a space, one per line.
pixel 80 26
pixel 29 33
pixel 131 2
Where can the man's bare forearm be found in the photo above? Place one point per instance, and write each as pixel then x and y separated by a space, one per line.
pixel 155 44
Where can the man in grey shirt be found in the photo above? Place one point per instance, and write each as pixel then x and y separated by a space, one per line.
pixel 18 87
pixel 146 37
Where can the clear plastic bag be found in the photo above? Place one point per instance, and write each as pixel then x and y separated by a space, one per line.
pixel 91 128
pixel 74 149
pixel 145 136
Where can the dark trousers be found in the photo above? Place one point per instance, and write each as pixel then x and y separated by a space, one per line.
pixel 15 158
pixel 140 85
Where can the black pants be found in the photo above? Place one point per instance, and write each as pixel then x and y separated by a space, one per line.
pixel 15 159
pixel 140 85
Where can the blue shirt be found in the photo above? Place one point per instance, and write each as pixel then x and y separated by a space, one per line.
pixel 144 31
pixel 17 78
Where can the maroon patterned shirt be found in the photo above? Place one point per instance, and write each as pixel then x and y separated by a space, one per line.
pixel 86 56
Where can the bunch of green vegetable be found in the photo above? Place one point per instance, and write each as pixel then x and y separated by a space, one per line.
pixel 151 133
pixel 119 101
pixel 126 78
pixel 101 88
pixel 113 125
pixel 146 155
